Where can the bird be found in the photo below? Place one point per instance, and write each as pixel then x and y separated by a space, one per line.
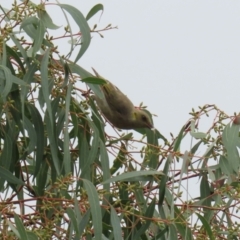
pixel 118 108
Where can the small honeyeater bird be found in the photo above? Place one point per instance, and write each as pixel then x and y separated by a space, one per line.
pixel 119 110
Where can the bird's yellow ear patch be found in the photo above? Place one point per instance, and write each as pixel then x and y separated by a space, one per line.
pixel 134 115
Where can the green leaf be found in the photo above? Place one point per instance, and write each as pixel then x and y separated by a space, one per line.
pixel 230 139
pixel 49 114
pixel 116 225
pixel 95 208
pixel 97 120
pixel 38 38
pixel 4 55
pixel 20 47
pixel 206 226
pixel 73 220
pixel 20 227
pixel 32 236
pixel 132 175
pixel 106 171
pixel 6 155
pixel 42 178
pixel 198 135
pixel 84 74
pixel 148 215
pixel 18 81
pixel 46 19
pixel 83 223
pixel 32 135
pixel 83 25
pixel 94 80
pixel 39 128
pixel 205 191
pixel 28 78
pixel 224 165
pixel 7 175
pixel 172 232
pixel 195 147
pixel 104 161
pixel 178 140
pixel 5 82
pixel 126 137
pixel 45 82
pixel 152 156
pixel 84 165
pixel 27 25
pixel 16 57
pixel 120 159
pixel 164 179
pixel 94 10
pixel 67 157
pixel 95 145
pixel 66 72
pixel 181 226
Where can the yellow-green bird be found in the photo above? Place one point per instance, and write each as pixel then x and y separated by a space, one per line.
pixel 119 110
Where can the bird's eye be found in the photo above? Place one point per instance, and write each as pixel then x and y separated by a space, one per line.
pixel 144 118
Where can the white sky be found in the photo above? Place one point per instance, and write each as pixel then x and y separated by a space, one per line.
pixel 172 55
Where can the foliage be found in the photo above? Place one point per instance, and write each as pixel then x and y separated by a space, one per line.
pixel 63 177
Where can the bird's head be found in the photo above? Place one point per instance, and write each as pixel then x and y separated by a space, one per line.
pixel 142 119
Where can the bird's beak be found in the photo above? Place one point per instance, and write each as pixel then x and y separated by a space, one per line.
pixel 150 126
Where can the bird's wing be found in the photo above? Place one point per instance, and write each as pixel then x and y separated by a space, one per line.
pixel 116 100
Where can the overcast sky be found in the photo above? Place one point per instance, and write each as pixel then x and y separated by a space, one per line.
pixel 172 55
